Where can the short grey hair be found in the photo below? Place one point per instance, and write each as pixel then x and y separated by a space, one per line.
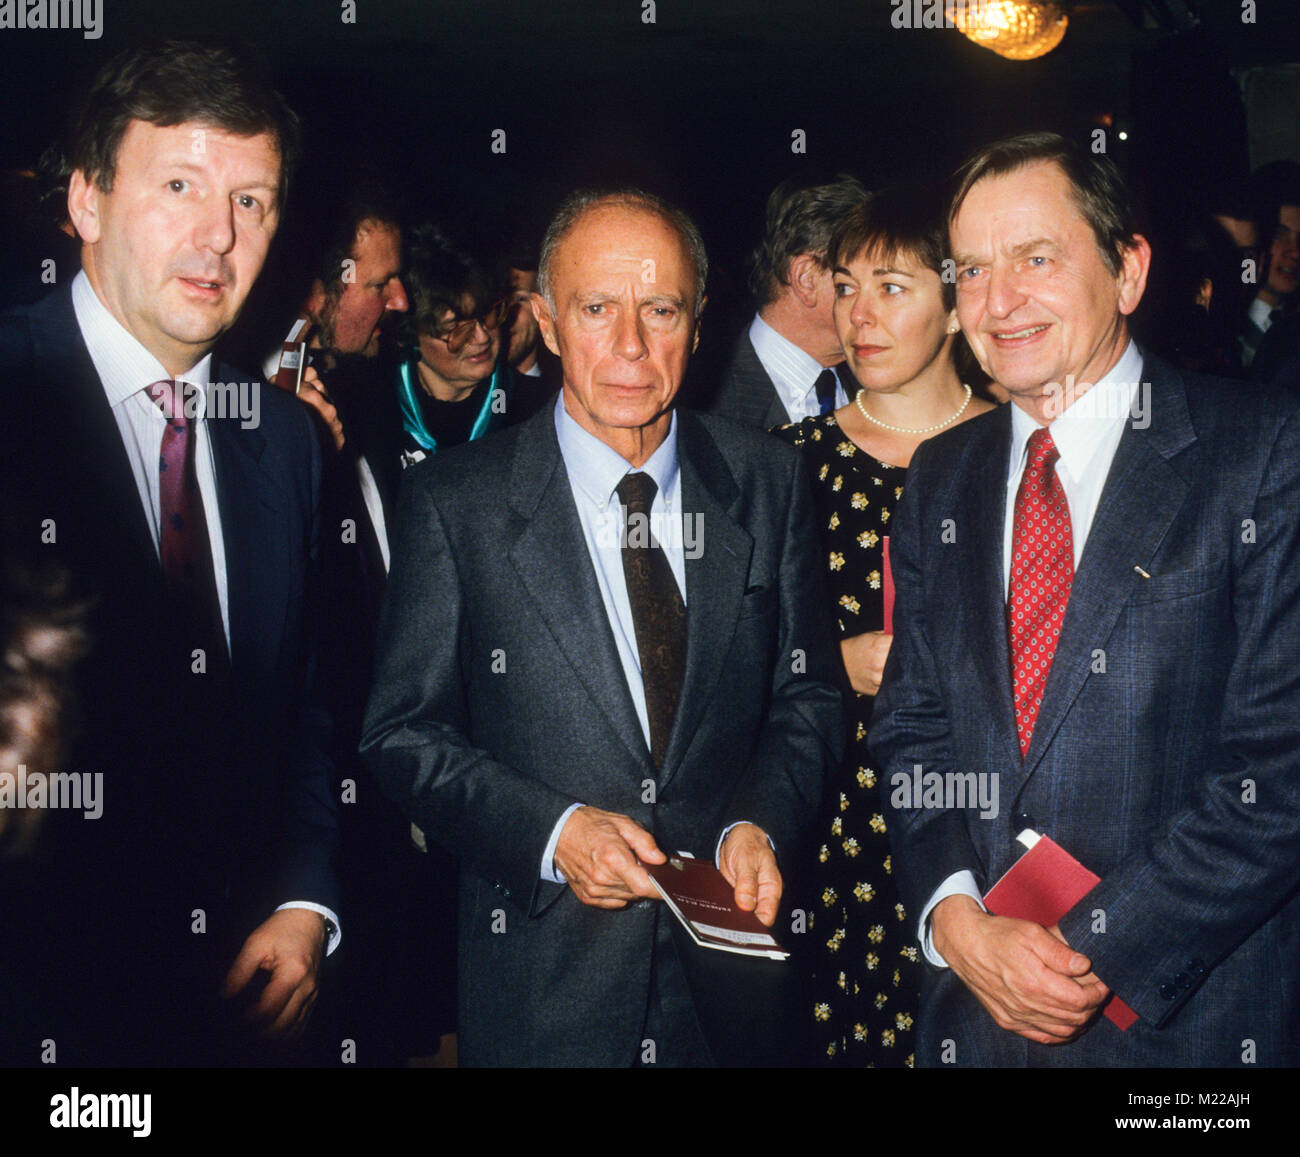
pixel 577 205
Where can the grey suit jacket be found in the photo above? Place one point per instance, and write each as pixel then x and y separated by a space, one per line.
pixel 1166 755
pixel 499 701
pixel 747 393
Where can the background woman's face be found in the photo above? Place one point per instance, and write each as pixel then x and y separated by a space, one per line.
pixel 890 318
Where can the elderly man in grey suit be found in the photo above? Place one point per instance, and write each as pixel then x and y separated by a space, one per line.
pixel 592 654
pixel 1098 612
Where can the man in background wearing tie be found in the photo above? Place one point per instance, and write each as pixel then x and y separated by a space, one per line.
pixel 783 367
pixel 184 498
pixel 562 697
pixel 1098 612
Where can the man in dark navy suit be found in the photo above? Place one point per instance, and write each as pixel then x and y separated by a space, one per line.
pixel 184 496
pixel 1098 613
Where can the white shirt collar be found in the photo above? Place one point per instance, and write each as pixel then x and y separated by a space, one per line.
pixel 793 371
pixel 1261 313
pixel 124 366
pixel 1090 422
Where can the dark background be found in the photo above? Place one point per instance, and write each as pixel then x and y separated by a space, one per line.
pixel 699 105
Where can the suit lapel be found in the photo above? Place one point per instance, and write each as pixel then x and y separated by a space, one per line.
pixel 553 565
pixel 762 404
pixel 91 444
pixel 715 580
pixel 1142 495
pixel 254 536
pixel 981 576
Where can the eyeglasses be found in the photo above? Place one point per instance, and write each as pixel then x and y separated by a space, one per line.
pixel 456 332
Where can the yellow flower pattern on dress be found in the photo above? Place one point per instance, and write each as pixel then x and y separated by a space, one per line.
pixel 863 1008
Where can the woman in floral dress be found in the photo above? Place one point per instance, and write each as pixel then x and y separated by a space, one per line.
pixel 897 324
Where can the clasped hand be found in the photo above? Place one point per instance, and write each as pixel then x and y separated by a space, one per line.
pixel 1026 976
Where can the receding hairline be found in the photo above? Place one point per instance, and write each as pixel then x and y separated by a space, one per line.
pixel 635 204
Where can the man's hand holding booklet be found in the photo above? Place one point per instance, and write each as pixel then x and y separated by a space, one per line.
pixel 704 902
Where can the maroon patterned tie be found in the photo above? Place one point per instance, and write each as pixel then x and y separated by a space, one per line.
pixel 183 543
pixel 1042 568
pixel 658 612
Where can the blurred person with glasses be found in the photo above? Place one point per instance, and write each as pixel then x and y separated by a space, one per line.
pixel 453 386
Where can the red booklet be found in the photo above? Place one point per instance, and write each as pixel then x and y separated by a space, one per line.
pixel 1042 886
pixel 705 903
pixel 887 589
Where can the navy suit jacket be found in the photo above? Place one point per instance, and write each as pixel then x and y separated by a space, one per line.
pixel 500 700
pixel 219 804
pixel 1166 754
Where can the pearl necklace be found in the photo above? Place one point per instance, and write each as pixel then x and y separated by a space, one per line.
pixel 914 429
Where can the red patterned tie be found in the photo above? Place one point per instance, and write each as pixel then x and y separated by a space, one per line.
pixel 1042 567
pixel 183 543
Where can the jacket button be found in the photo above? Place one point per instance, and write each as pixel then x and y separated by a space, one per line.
pixel 1182 980
pixel 1021 820
pixel 1168 991
pixel 1196 966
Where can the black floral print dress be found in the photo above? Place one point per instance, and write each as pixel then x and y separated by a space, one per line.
pixel 865 962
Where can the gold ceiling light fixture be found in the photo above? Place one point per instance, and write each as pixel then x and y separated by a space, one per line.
pixel 1016 29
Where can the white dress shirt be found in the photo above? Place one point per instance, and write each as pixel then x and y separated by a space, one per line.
pixel 126 369
pixel 1086 435
pixel 594 471
pixel 794 372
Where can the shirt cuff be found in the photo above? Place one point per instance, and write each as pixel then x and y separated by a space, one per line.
pixel 717 851
pixel 958 884
pixel 549 871
pixel 333 929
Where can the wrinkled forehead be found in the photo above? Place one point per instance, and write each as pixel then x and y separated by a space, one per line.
pixel 620 243
pixel 256 156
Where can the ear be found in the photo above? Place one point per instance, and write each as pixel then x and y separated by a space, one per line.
pixel 83 207
pixel 545 322
pixel 1133 274
pixel 695 341
pixel 951 325
pixel 805 279
pixel 314 306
